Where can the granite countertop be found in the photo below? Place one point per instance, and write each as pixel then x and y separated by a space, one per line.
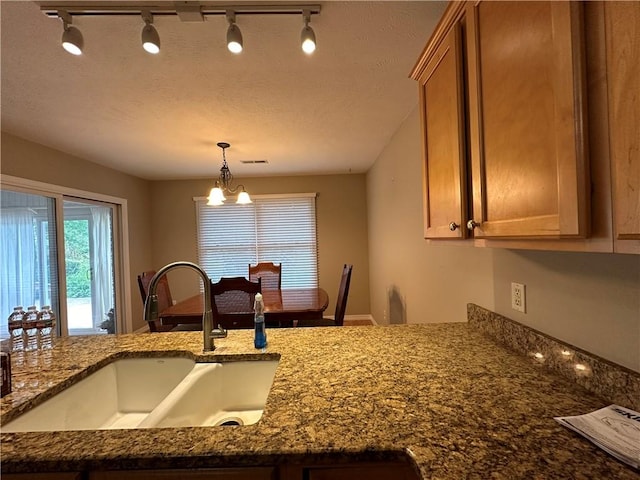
pixel 443 395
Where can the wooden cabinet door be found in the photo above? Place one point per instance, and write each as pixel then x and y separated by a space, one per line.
pixel 42 476
pixel 622 33
pixel 530 174
pixel 444 156
pixel 358 472
pixel 248 473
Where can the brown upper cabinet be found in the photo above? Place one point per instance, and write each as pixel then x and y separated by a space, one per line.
pixel 507 135
pixel 528 161
pixel 622 22
pixel 512 96
pixel 441 88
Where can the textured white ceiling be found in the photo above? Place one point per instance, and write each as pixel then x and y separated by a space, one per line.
pixel 159 117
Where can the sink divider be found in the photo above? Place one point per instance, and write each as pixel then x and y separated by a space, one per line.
pixel 160 412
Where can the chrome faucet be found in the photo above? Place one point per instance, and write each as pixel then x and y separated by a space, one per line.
pixel 151 304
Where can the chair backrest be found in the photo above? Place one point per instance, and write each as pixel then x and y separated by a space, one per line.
pixel 343 293
pixel 270 273
pixel 232 300
pixel 162 291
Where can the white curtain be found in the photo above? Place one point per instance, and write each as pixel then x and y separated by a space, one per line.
pixel 18 259
pixel 102 264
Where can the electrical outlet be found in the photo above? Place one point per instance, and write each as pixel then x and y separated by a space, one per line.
pixel 518 297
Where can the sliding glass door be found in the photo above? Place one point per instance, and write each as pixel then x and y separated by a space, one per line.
pixel 60 251
pixel 88 247
pixel 28 254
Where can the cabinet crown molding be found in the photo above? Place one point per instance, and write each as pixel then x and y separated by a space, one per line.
pixel 453 13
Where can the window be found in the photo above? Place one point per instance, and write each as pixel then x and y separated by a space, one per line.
pixel 274 228
pixel 62 247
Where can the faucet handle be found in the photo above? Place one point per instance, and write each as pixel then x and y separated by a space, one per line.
pixel 219 332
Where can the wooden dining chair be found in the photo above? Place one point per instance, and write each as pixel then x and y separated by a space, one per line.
pixel 341 304
pixel 270 273
pixel 164 301
pixel 232 301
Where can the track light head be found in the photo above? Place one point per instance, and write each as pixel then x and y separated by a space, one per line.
pixel 72 40
pixel 307 36
pixel 150 37
pixel 234 36
pixel 308 40
pixel 234 39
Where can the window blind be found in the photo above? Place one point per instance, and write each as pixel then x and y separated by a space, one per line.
pixel 278 229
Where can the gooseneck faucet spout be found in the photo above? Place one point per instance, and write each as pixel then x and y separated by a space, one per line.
pixel 151 304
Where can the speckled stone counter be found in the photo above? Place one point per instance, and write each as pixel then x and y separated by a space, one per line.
pixel 441 395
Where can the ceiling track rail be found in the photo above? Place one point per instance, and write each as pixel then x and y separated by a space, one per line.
pixel 184 10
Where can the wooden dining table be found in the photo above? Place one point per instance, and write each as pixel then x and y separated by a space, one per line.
pixel 281 307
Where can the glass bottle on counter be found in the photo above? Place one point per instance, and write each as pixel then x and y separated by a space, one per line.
pixel 46 327
pixel 14 325
pixel 29 329
pixel 260 338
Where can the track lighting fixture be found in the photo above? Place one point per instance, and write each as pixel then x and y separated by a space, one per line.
pixel 234 35
pixel 72 40
pixel 307 36
pixel 150 37
pixel 187 11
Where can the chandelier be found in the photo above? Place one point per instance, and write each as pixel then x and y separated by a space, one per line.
pixel 223 184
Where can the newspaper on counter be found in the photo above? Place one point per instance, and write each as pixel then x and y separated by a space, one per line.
pixel 615 429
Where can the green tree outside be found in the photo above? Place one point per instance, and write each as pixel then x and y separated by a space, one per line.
pixel 77 258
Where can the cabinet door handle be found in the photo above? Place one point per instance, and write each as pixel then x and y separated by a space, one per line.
pixel 471 224
pixel 453 226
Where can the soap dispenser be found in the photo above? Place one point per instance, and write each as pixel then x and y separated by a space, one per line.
pixel 260 338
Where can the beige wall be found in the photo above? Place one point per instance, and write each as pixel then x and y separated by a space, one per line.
pixel 589 300
pixel 342 229
pixel 21 158
pixel 412 281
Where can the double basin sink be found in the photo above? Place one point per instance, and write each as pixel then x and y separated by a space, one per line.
pixel 154 393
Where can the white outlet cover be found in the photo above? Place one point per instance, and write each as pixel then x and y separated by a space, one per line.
pixel 518 297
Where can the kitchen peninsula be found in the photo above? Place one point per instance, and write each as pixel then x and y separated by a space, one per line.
pixel 434 401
